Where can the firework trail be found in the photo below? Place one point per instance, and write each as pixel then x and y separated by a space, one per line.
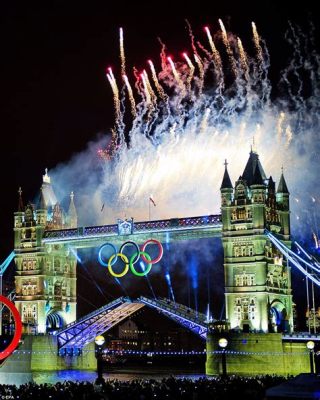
pixel 201 72
pixel 163 55
pixel 243 59
pixel 177 76
pixel 228 48
pixel 146 90
pixel 116 99
pixel 137 83
pixel 215 53
pixel 289 136
pixel 280 125
pixel 191 73
pixel 191 35
pixel 131 97
pixel 204 122
pixel 159 88
pixel 256 41
pixel 122 55
pixel 150 90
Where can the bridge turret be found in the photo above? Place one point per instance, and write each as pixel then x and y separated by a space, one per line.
pixel 257 284
pixel 258 194
pixel 41 212
pixel 41 217
pixel 283 203
pixel 226 191
pixel 18 220
pixel 45 278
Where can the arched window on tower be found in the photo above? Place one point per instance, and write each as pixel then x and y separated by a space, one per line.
pixel 57 289
pixel 252 309
pixel 57 265
pixel 241 213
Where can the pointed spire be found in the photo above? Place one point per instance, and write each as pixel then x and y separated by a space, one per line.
pixel 282 187
pixel 42 203
pixel 226 181
pixel 271 185
pixel 72 213
pixel 257 177
pixel 20 201
pixel 252 164
pixel 253 146
pixel 46 177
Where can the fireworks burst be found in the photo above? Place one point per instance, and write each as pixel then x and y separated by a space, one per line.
pixel 193 114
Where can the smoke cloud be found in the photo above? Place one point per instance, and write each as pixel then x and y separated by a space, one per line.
pixel 179 139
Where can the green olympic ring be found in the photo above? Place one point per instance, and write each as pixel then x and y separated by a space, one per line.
pixel 149 264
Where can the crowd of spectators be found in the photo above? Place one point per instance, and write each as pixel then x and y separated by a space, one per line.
pixel 215 388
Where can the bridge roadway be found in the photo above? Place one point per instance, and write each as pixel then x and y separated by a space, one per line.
pixel 80 333
pixel 83 331
pixel 165 230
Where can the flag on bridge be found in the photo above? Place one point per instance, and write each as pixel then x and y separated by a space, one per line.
pixel 152 201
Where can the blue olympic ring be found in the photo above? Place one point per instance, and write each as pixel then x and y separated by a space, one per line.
pixel 100 254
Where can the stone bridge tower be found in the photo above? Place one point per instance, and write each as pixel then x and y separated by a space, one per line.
pixel 257 280
pixel 45 278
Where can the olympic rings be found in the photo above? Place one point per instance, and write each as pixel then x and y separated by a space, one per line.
pixel 143 248
pixel 145 257
pixel 149 263
pixel 100 254
pixel 126 268
pixel 18 327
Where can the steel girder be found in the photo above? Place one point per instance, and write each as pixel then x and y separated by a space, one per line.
pixel 181 314
pixel 82 332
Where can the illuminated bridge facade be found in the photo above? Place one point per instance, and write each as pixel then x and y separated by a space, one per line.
pixel 163 230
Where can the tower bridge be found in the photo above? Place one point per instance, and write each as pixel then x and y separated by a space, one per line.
pixel 258 293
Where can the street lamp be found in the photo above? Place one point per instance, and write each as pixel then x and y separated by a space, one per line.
pixel 223 343
pixel 310 346
pixel 99 341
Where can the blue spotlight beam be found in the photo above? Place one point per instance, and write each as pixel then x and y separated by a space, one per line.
pixel 79 260
pixel 6 263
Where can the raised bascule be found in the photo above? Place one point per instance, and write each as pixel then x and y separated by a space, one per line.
pixel 258 294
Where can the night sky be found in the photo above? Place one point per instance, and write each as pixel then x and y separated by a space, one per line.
pixel 54 97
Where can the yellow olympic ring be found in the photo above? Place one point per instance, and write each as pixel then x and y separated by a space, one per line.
pixel 126 268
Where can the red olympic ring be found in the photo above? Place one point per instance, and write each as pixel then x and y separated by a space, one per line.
pixel 143 249
pixel 18 327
